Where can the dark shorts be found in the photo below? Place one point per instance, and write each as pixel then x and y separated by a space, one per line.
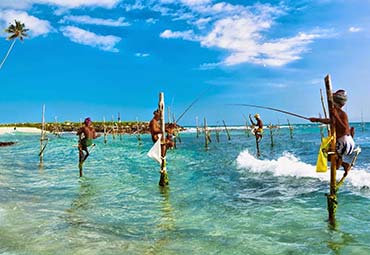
pixel 86 142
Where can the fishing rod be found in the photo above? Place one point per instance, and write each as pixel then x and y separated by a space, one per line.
pixel 196 100
pixel 273 109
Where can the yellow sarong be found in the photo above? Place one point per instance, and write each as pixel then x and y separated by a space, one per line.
pixel 322 157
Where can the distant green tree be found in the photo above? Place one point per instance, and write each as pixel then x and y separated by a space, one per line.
pixel 15 31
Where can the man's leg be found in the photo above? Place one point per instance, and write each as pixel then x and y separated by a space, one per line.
pixel 87 154
pixel 80 153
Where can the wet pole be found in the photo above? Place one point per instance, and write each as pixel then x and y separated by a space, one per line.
pixel 105 131
pixel 290 129
pixel 206 134
pixel 119 126
pixel 42 137
pixel 324 109
pixel 332 197
pixel 198 131
pixel 271 134
pixel 163 181
pixel 227 131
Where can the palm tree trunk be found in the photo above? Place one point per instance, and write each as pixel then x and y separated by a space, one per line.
pixel 7 54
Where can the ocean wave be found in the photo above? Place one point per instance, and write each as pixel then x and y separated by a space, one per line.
pixel 290 165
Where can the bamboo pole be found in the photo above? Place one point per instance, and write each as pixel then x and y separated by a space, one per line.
pixel 258 147
pixel 177 136
pixel 119 126
pixel 290 129
pixel 246 126
pixel 324 109
pixel 163 181
pixel 332 197
pixel 227 131
pixel 217 133
pixel 42 137
pixel 105 131
pixel 271 135
pixel 138 132
pixel 321 128
pixel 113 128
pixel 206 134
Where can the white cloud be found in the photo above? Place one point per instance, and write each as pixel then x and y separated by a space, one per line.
pixel 35 25
pixel 186 35
pixel 79 3
pixel 18 4
pixel 142 55
pixel 242 31
pixel 95 21
pixel 196 2
pixel 81 36
pixel 15 4
pixel 354 29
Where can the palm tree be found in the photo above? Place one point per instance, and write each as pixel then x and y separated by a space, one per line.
pixel 15 31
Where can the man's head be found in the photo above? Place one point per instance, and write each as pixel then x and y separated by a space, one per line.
pixel 87 121
pixel 257 116
pixel 170 127
pixel 157 114
pixel 340 97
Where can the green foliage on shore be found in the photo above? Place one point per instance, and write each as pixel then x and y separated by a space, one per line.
pixel 67 126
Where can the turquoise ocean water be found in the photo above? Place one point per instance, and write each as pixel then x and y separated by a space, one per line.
pixel 222 200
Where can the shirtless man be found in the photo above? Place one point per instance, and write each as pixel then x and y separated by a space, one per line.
pixel 258 130
pixel 345 144
pixel 86 135
pixel 155 130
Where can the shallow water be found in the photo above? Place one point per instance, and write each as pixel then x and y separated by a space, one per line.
pixel 220 201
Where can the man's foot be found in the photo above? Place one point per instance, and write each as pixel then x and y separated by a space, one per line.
pixel 346 167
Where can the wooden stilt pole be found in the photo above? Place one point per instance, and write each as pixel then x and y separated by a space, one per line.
pixel 138 132
pixel 164 176
pixel 271 135
pixel 227 131
pixel 258 147
pixel 42 137
pixel 290 129
pixel 246 126
pixel 217 133
pixel 206 134
pixel 321 128
pixel 332 197
pixel 113 128
pixel 119 126
pixel 196 121
pixel 105 131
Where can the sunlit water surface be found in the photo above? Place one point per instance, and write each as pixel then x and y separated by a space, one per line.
pixel 222 200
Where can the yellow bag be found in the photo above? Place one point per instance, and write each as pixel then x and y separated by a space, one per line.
pixel 322 157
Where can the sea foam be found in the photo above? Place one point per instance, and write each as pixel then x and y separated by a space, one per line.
pixel 290 165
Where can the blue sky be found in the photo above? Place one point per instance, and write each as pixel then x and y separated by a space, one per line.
pixel 100 57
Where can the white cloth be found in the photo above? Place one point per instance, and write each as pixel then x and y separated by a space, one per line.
pixel 345 145
pixel 155 151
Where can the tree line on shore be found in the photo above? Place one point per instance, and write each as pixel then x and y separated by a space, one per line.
pixel 130 127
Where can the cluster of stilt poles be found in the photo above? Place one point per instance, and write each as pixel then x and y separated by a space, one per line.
pixel 332 201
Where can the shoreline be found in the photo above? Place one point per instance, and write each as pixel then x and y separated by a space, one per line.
pixel 10 130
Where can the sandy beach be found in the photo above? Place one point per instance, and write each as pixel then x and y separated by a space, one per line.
pixel 7 130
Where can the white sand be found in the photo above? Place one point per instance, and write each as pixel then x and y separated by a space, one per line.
pixel 7 130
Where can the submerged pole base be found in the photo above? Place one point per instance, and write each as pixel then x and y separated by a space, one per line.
pixel 332 208
pixel 80 167
pixel 164 181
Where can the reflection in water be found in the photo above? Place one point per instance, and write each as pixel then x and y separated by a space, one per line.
pixel 166 225
pixel 81 202
pixel 168 221
pixel 41 167
pixel 340 240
